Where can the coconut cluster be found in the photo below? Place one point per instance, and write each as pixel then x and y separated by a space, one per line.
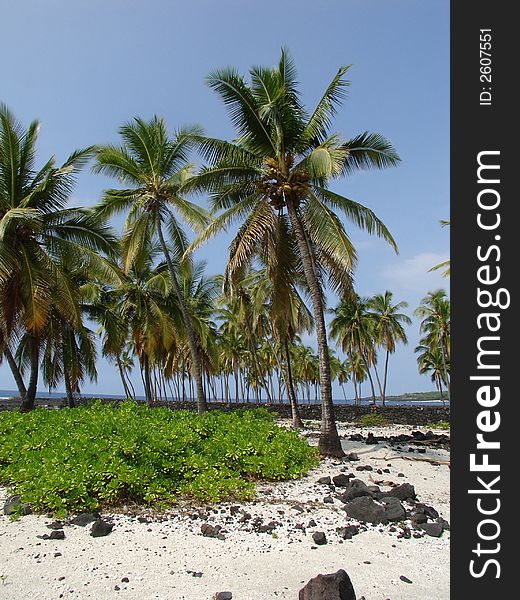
pixel 277 184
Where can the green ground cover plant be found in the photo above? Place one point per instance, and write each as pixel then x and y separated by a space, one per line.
pixel 372 420
pixel 439 425
pixel 99 455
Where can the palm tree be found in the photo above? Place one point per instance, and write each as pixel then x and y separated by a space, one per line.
pixel 239 300
pixel 232 345
pixel 68 354
pixel 435 312
pixel 352 327
pixel 283 160
pixel 36 232
pixel 431 360
pixel 357 367
pixel 138 311
pixel 344 373
pixel 275 289
pixel 199 292
pixel 388 327
pixel 154 167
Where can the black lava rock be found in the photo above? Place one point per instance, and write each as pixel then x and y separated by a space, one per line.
pixel 83 519
pixel 324 480
pixel 365 509
pixel 336 586
pixel 100 528
pixel 432 529
pixel 355 489
pixel 341 480
pixel 319 538
pixel 347 532
pixel 405 491
pixel 394 510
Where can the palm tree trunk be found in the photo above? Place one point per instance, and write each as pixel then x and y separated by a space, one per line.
pixel 329 442
pixel 444 354
pixel 147 382
pixel 236 384
pixel 132 389
pixel 196 366
pixel 243 392
pixel 22 390
pixel 122 375
pixel 68 392
pixel 30 398
pixel 255 358
pixel 379 384
pixel 344 393
pixel 297 422
pixel 385 376
pixel 372 388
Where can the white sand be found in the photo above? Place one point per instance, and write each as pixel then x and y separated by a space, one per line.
pixel 157 557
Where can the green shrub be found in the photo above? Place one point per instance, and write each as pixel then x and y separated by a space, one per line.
pixel 97 456
pixel 372 420
pixel 438 425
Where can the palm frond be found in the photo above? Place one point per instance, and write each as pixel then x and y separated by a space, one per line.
pixel 358 214
pixel 319 123
pixel 369 151
pixel 238 98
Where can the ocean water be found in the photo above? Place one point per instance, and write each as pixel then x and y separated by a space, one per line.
pixel 365 401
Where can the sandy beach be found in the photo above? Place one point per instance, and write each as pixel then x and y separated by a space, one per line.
pixel 166 557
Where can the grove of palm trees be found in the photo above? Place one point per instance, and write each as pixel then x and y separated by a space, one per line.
pixel 224 343
pixel 72 288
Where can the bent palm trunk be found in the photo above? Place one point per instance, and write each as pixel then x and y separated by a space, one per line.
pixel 30 398
pixel 68 392
pixel 196 366
pixel 297 422
pixel 329 442
pixel 22 390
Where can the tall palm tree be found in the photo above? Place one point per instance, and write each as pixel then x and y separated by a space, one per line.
pixel 357 367
pixel 275 288
pixel 435 312
pixel 36 232
pixel 199 292
pixel 241 303
pixel 138 312
pixel 352 327
pixel 69 352
pixel 232 347
pixel 68 355
pixel 431 360
pixel 388 327
pixel 344 374
pixel 154 166
pixel 283 161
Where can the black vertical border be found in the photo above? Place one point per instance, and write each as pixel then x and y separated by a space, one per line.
pixel 476 128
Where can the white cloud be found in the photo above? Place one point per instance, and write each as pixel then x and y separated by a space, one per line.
pixel 413 274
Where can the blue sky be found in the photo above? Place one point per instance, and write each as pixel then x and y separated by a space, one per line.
pixel 83 68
